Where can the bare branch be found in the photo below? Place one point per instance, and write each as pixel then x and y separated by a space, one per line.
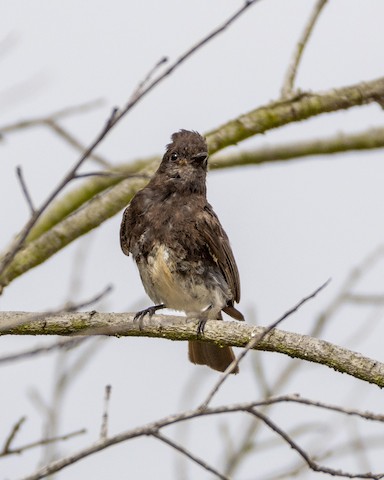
pixel 24 188
pixel 370 299
pixel 257 338
pixel 188 454
pixel 104 422
pixel 289 80
pixel 67 343
pixel 69 307
pixel 39 443
pixel 117 175
pixel 304 455
pixel 62 113
pixel 350 282
pixel 51 121
pixel 74 142
pixel 12 436
pixel 147 78
pixel 326 406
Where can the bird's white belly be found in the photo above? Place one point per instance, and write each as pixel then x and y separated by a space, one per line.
pixel 183 292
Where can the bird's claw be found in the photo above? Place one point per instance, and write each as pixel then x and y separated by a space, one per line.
pixel 150 311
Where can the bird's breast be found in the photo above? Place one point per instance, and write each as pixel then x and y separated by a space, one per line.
pixel 179 289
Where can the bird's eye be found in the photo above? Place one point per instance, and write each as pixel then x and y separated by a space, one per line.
pixel 174 156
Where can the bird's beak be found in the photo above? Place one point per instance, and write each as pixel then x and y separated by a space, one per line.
pixel 200 157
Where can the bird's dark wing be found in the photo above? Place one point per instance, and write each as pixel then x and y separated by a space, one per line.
pixel 214 236
pixel 126 230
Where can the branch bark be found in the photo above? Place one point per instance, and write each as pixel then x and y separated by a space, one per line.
pixel 171 327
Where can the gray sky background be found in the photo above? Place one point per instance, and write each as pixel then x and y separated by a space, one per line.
pixel 291 225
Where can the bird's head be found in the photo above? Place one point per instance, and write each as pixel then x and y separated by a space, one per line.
pixel 186 157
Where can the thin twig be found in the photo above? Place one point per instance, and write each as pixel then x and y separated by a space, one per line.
pixel 62 113
pixel 365 298
pixel 104 421
pixel 39 443
pixel 289 80
pixel 69 138
pixel 24 189
pixel 51 121
pixel 349 283
pixel 67 343
pixel 111 175
pixel 68 308
pixel 147 78
pixel 323 405
pixel 12 436
pixel 254 341
pixel 305 456
pixel 188 454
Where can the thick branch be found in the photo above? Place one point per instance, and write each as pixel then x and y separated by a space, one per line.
pixel 296 109
pixel 176 328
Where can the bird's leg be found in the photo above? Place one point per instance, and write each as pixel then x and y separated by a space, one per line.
pixel 150 311
pixel 201 326
pixel 203 320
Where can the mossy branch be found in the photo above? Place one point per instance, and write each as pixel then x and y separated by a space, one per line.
pixel 372 138
pixel 236 334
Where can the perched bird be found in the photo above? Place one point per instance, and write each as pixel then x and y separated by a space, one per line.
pixel 181 250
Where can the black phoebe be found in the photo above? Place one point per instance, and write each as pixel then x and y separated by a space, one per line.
pixel 182 252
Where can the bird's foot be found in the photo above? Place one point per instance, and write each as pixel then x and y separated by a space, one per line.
pixel 150 311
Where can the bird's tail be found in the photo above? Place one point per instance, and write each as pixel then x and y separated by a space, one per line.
pixel 216 357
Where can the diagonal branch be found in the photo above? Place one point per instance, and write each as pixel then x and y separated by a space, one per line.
pixel 188 454
pixel 314 466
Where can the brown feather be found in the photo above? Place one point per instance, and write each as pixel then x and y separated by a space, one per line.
pixel 217 241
